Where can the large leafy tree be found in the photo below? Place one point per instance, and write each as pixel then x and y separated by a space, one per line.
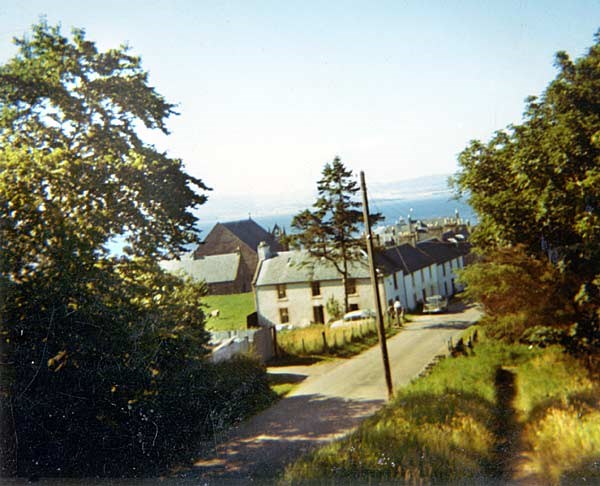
pixel 330 231
pixel 538 184
pixel 89 340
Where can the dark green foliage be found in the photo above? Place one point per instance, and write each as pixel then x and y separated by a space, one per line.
pixel 102 358
pixel 537 184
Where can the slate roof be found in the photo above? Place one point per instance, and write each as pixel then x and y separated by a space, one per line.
pixel 249 232
pixel 212 269
pixel 285 268
pixel 403 257
pixel 441 251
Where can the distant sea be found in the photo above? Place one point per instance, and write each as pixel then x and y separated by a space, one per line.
pixel 419 208
pixel 422 198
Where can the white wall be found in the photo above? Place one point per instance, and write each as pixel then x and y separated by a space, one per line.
pixel 299 301
pixel 423 279
pixel 450 274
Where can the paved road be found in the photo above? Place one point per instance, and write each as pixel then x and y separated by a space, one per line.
pixel 332 399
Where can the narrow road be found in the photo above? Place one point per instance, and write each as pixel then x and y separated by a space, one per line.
pixel 331 401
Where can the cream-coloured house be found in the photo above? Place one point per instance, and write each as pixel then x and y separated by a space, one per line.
pixel 293 288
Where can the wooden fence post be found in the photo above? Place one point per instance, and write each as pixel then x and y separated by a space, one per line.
pixel 325 347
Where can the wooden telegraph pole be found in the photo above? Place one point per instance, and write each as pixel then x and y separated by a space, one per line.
pixel 378 313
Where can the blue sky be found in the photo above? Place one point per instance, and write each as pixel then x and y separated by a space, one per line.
pixel 271 90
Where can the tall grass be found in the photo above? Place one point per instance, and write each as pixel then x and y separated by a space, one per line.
pixel 437 429
pixel 443 428
pixel 323 340
pixel 560 406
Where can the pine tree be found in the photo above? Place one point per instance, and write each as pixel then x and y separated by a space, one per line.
pixel 330 230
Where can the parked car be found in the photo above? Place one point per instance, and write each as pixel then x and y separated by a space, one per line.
pixel 435 304
pixel 353 316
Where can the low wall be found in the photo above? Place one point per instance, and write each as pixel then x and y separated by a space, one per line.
pixel 231 343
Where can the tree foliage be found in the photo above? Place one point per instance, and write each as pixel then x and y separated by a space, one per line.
pixel 538 183
pixel 102 357
pixel 330 231
pixel 517 291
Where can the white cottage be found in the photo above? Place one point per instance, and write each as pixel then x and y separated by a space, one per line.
pixel 291 287
pixel 449 257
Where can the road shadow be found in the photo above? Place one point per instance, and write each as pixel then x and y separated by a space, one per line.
pixel 460 325
pixel 261 447
pixel 278 378
pixel 291 360
pixel 448 325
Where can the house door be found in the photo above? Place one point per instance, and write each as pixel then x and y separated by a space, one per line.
pixel 318 314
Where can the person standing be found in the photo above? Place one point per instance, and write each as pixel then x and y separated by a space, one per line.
pixel 399 311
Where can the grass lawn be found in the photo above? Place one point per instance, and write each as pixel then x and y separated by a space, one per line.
pixel 233 310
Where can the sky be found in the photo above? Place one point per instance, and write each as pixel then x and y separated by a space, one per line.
pixel 269 91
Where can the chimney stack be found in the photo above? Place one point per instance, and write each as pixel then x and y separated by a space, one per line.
pixel 264 251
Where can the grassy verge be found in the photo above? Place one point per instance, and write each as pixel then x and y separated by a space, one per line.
pixel 560 408
pixel 452 425
pixel 233 310
pixel 319 340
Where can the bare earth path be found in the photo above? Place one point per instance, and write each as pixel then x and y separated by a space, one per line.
pixel 333 398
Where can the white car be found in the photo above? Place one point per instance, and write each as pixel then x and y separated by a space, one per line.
pixel 435 304
pixel 353 316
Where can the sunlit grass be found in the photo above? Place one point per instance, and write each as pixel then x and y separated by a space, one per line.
pixel 436 429
pixel 233 310
pixel 442 428
pixel 560 405
pixel 321 340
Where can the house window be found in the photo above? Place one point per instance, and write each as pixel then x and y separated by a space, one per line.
pixel 318 314
pixel 424 295
pixel 281 291
pixel 315 288
pixel 412 277
pixel 422 276
pixel 351 286
pixel 284 317
pixel 444 269
pixel 445 288
pixel 395 281
pixel 353 307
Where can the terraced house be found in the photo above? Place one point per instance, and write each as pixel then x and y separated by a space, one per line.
pixel 292 288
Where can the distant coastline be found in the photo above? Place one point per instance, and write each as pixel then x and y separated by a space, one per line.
pixel 440 205
pixel 427 196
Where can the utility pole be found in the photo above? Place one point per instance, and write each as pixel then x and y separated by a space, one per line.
pixel 374 283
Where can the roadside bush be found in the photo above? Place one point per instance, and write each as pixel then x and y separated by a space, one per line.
pixel 99 432
pixel 543 336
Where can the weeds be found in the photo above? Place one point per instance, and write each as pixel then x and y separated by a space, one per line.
pixel 321 340
pixel 443 428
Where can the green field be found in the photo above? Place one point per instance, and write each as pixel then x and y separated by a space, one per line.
pixel 233 310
